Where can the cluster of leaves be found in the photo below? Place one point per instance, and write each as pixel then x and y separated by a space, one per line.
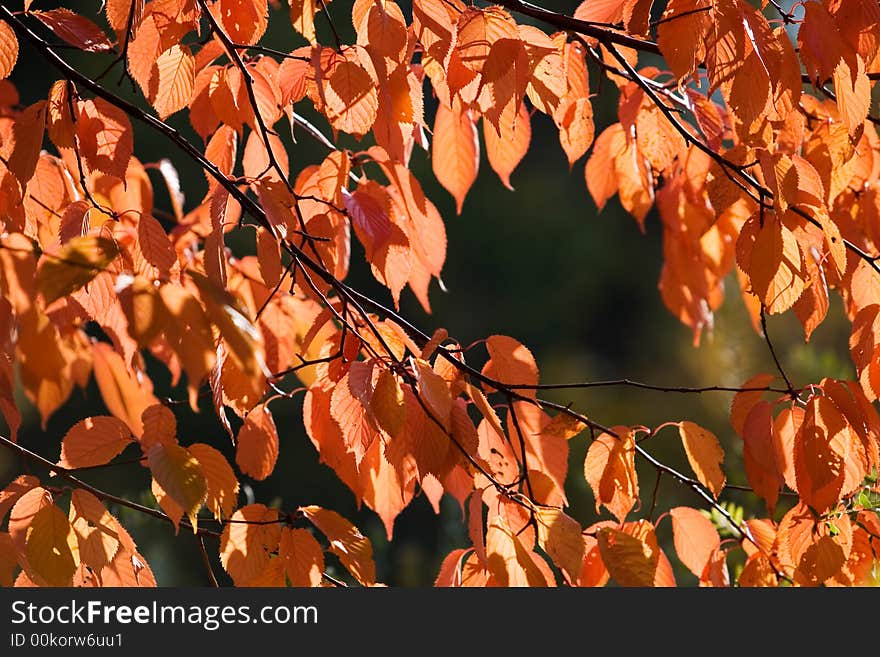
pixel 748 171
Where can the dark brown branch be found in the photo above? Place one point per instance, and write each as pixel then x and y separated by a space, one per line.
pixel 791 390
pixel 643 386
pixel 595 30
pixel 64 473
pixel 206 560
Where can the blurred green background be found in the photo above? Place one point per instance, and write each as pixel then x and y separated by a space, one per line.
pixel 578 287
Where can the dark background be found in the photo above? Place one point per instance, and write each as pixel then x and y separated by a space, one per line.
pixel 578 287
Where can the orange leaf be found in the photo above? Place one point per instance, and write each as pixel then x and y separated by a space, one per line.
pixel 125 397
pixel 435 391
pixel 510 363
pixel 27 139
pixel 506 149
pixel 506 73
pixel 705 455
pixel 8 50
pixel 256 448
pixel 696 538
pixel 244 21
pixel 563 426
pixel 610 470
pixel 349 407
pixel 350 96
pixel 455 154
pixel 478 29
pixel 508 560
pixel 574 118
pixel 222 494
pixel 353 549
pixel 821 450
pixel 387 404
pixel 176 79
pixel 680 34
pixel 77 263
pixel 8 560
pixel 744 401
pixel 124 13
pixel 247 542
pixel 155 245
pixel 106 140
pixel 14 490
pixel 302 557
pixel 853 89
pixel 94 441
pixel 776 266
pixel 600 173
pixel 759 454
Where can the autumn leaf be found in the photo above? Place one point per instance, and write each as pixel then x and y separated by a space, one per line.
pixel 105 137
pixel 50 540
pixel 560 536
pixel 705 455
pixel 256 449
pixel 630 554
pixel 180 476
pixel 302 557
pixel 455 153
pixel 610 470
pixel 222 486
pixel 75 29
pixel 247 542
pixel 176 79
pixel 94 441
pixel 695 537
pixel 8 50
pixel 346 542
pixel 510 563
pixel 78 262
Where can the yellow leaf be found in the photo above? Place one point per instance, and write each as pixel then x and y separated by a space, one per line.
pixel 222 485
pixel 235 326
pixel 81 259
pixel 631 560
pixel 48 550
pixel 302 17
pixel 705 455
pixel 559 536
pixel 95 529
pixel 563 426
pixel 180 475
